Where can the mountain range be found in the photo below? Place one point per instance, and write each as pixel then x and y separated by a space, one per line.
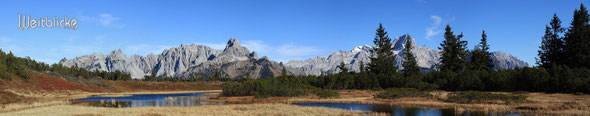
pixel 236 61
pixel 425 57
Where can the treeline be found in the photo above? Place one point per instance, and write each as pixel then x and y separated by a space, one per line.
pixel 278 86
pixel 563 63
pixel 82 72
pixel 563 66
pixel 217 76
pixel 557 79
pixel 11 65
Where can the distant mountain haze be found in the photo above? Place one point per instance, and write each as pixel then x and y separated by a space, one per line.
pixel 236 61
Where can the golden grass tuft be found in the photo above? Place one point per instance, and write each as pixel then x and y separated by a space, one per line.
pixel 220 110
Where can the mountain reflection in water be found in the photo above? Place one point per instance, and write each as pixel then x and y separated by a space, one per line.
pixel 149 100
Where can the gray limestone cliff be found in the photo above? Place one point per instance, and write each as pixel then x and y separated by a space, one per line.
pixel 236 61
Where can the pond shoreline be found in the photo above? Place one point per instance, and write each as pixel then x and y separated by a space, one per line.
pixel 123 94
pixel 176 99
pixel 538 104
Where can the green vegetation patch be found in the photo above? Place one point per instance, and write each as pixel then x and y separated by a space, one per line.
pixel 326 93
pixel 280 86
pixel 473 96
pixel 402 92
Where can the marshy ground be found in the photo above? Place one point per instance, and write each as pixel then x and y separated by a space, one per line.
pixel 538 103
pixel 50 97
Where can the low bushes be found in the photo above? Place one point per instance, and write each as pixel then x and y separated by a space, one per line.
pixel 472 96
pixel 534 79
pixel 280 86
pixel 402 92
pixel 326 93
pixel 520 92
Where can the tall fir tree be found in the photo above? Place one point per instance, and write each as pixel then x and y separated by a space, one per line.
pixel 342 67
pixel 410 64
pixel 3 67
pixel 577 40
pixel 284 71
pixel 453 52
pixel 216 75
pixel 552 45
pixel 382 62
pixel 362 67
pixel 481 58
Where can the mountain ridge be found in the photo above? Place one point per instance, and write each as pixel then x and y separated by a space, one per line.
pixel 236 61
pixel 425 57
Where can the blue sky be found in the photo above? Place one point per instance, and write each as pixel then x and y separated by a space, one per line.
pixel 282 30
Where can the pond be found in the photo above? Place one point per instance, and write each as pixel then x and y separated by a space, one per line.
pixel 195 99
pixel 149 100
pixel 402 111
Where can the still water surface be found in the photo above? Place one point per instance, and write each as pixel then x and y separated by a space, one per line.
pixel 195 99
pixel 149 100
pixel 402 111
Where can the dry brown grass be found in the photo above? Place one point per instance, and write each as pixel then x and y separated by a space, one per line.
pixel 60 98
pixel 206 110
pixel 27 97
pixel 538 103
pixel 44 90
pixel 43 87
pixel 48 95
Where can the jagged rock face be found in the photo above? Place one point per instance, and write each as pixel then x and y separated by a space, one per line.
pixel 328 64
pixel 426 59
pixel 236 61
pixel 177 60
pixel 233 52
pixel 503 60
pixel 251 68
pixel 171 63
pixel 116 60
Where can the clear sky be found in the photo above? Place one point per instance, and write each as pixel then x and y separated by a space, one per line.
pixel 282 30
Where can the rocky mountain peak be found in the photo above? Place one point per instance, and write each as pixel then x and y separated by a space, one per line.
pixel 237 61
pixel 254 55
pixel 361 48
pixel 115 53
pixel 63 60
pixel 400 42
pixel 233 42
pixel 501 60
pixel 118 51
pixel 426 58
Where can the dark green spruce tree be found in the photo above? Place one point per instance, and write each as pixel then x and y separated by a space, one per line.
pixel 343 68
pixel 577 40
pixel 382 60
pixel 284 72
pixel 411 73
pixel 552 45
pixel 453 52
pixel 481 58
pixel 362 67
pixel 410 64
